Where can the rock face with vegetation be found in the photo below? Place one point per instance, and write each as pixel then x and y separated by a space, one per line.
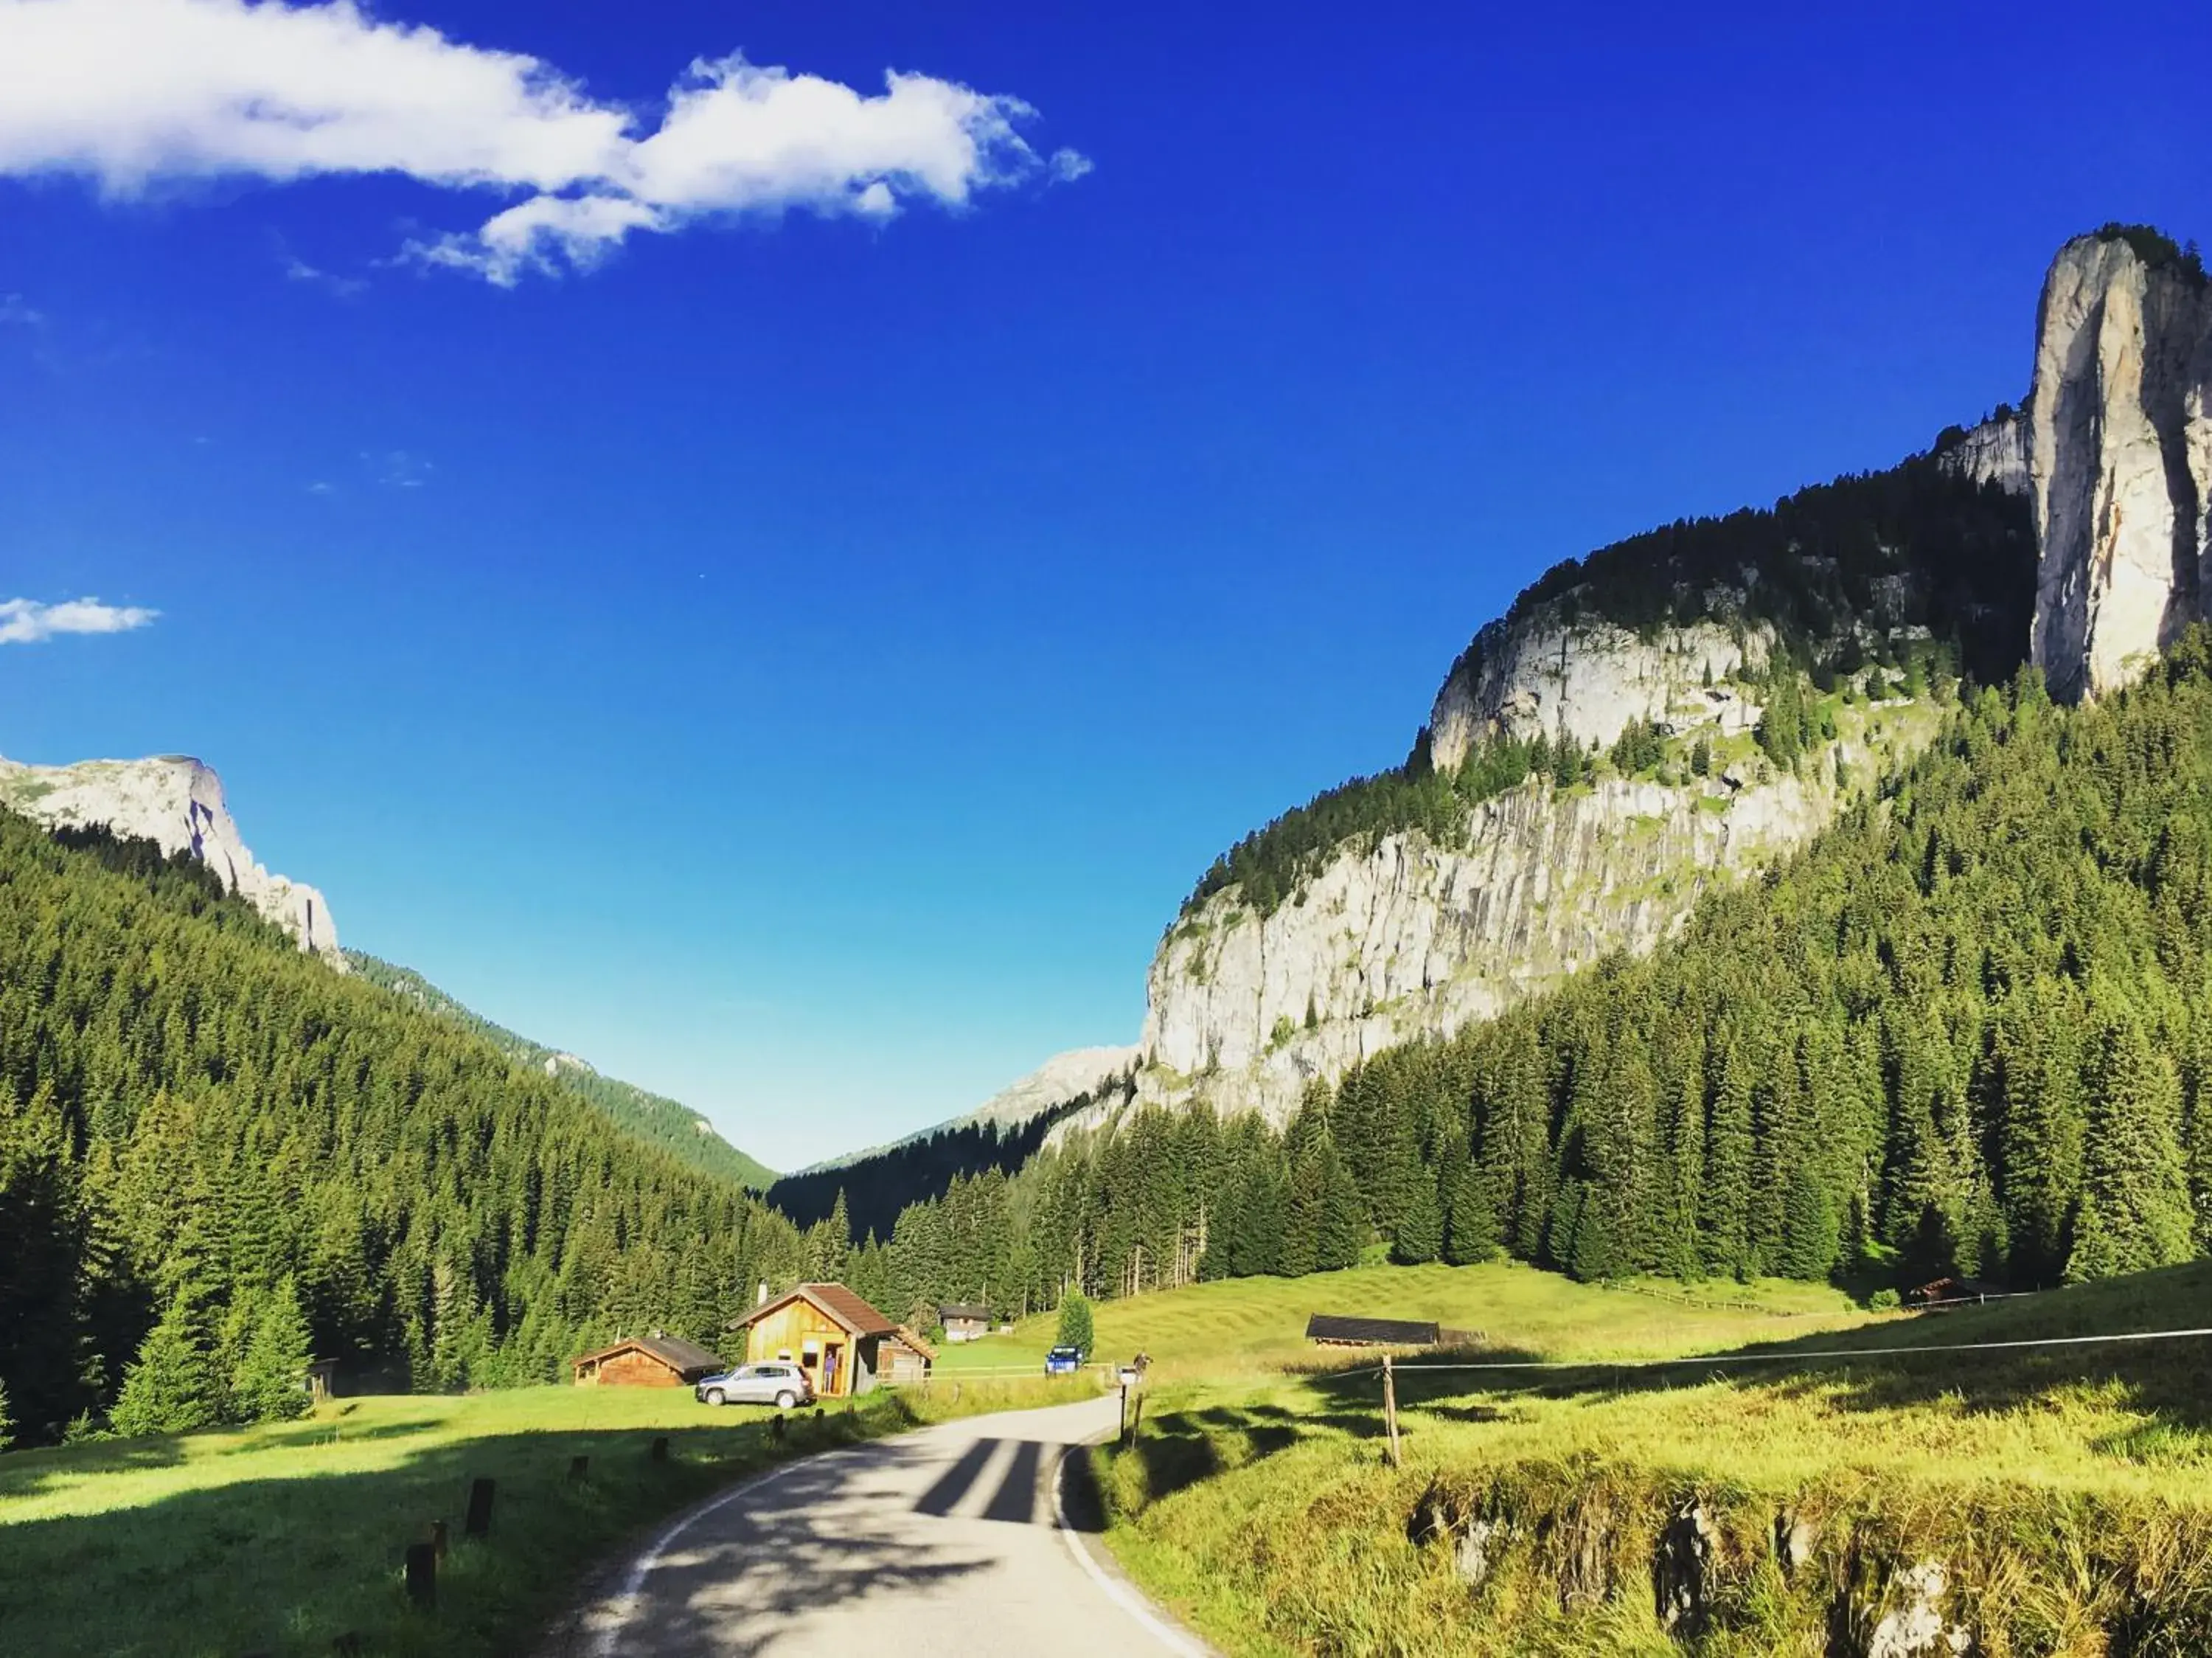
pixel 176 802
pixel 1417 935
pixel 1681 708
pixel 2120 451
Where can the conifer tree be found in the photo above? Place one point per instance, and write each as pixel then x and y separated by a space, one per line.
pixel 2135 1210
pixel 1075 1324
pixel 1421 1228
pixel 171 1388
pixel 1470 1223
pixel 270 1384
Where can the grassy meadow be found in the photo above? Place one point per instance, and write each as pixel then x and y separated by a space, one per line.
pixel 2066 1492
pixel 284 1538
pixel 1245 1329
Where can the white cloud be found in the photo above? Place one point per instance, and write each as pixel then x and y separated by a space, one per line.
pixel 128 93
pixel 15 308
pixel 28 622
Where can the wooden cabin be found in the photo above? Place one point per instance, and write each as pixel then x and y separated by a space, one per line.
pixel 1952 1292
pixel 844 1345
pixel 1330 1330
pixel 964 1321
pixel 654 1361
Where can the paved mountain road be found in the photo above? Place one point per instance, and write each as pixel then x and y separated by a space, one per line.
pixel 946 1541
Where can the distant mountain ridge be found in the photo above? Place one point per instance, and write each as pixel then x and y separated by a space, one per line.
pixel 669 1123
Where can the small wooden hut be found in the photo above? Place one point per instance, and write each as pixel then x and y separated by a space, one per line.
pixel 654 1361
pixel 964 1321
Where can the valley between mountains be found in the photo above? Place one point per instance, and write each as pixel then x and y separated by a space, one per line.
pixel 1773 919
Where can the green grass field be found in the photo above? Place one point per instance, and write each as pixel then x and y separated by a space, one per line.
pixel 282 1538
pixel 2066 1491
pixel 1248 1328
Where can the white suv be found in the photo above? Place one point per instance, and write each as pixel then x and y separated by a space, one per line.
pixel 782 1385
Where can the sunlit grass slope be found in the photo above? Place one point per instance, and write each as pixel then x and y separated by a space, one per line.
pixel 2066 1492
pixel 1246 1328
pixel 282 1538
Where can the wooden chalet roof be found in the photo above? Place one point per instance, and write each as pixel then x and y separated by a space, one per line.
pixel 917 1343
pixel 964 1310
pixel 678 1355
pixel 1370 1332
pixel 838 1303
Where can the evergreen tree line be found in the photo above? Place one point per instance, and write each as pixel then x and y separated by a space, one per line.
pixel 1966 1030
pixel 218 1157
pixel 876 1186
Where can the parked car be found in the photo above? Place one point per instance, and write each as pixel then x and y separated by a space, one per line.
pixel 781 1384
pixel 1063 1360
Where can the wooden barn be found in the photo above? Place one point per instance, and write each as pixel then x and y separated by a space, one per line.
pixel 964 1321
pixel 844 1345
pixel 1330 1330
pixel 654 1361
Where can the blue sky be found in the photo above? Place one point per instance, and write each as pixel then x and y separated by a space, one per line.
pixel 799 654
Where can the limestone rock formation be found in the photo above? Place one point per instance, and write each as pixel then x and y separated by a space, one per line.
pixel 177 802
pixel 1995 452
pixel 1408 938
pixel 1545 674
pixel 2120 455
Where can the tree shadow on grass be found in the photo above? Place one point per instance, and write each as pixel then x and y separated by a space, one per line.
pixel 289 1565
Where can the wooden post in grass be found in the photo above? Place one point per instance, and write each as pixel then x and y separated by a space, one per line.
pixel 580 1467
pixel 421 1575
pixel 775 1428
pixel 478 1522
pixel 1136 1415
pixel 660 1448
pixel 438 1542
pixel 1390 1410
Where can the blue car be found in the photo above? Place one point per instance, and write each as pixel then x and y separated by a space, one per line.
pixel 1063 1360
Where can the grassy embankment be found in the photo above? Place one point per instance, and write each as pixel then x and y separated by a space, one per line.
pixel 2066 1493
pixel 280 1538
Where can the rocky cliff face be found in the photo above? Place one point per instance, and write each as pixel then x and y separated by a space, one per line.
pixel 1399 937
pixel 1408 938
pixel 1588 678
pixel 1995 452
pixel 177 802
pixel 2120 458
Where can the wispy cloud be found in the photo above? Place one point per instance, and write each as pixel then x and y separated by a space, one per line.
pixel 28 622
pixel 130 92
pixel 398 469
pixel 17 310
pixel 298 270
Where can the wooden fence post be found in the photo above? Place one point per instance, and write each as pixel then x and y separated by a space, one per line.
pixel 439 1544
pixel 423 1575
pixel 1391 1409
pixel 478 1522
pixel 580 1467
pixel 659 1452
pixel 775 1428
